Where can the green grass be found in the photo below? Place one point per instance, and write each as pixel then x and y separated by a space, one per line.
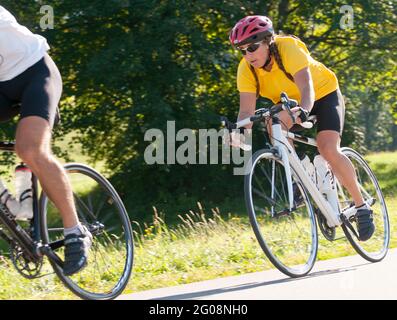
pixel 205 245
pixel 384 165
pixel 209 247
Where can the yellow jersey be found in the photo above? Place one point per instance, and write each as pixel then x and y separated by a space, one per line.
pixel 295 56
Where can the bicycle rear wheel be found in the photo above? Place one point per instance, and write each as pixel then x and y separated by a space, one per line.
pixel 376 247
pixel 99 208
pixel 289 239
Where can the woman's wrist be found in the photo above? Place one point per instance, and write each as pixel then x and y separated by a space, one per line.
pixel 306 107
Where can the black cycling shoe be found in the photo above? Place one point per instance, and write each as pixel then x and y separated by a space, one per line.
pixel 365 224
pixel 76 252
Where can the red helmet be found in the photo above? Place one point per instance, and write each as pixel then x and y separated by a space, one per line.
pixel 251 29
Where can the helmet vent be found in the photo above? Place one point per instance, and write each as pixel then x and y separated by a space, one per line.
pixel 244 29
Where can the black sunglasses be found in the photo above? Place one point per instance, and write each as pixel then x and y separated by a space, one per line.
pixel 251 48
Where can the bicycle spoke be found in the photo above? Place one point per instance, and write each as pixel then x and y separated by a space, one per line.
pixel 289 239
pixel 110 256
pixel 376 247
pixel 84 206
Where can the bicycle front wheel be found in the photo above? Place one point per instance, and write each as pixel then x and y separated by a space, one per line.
pixel 376 247
pixel 101 210
pixel 288 237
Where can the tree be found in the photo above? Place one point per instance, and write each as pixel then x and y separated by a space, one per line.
pixel 129 66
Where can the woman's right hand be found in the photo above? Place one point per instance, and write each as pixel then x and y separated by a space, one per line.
pixel 237 140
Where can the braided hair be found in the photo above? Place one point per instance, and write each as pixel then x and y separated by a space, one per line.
pixel 276 54
pixel 273 49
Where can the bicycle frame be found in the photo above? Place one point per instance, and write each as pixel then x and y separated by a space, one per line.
pixel 347 213
pixel 282 168
pixel 289 158
pixel 39 237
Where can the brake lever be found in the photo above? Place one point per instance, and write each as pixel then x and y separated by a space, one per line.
pixel 286 104
pixel 227 123
pixel 231 126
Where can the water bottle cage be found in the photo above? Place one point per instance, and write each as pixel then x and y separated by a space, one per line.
pixel 25 195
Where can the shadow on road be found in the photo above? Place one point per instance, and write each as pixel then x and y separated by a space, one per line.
pixel 251 285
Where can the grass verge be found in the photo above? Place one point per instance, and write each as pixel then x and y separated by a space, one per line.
pixel 203 246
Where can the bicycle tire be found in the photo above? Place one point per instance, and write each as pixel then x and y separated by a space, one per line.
pixel 116 240
pixel 260 223
pixel 374 249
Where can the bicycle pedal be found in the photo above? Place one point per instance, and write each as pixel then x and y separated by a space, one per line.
pixel 349 226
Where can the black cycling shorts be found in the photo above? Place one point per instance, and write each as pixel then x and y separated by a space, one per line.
pixel 35 92
pixel 330 112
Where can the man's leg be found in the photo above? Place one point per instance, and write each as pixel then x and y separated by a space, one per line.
pixel 33 139
pixel 33 147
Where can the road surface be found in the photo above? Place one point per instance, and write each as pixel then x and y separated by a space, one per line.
pixel 344 278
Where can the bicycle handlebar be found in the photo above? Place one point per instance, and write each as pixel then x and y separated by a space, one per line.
pixel 262 113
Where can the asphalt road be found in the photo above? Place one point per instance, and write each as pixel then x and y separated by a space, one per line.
pixel 343 278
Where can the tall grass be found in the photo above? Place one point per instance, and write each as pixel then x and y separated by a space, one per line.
pixel 206 246
pixel 203 246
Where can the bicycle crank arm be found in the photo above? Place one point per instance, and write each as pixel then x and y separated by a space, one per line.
pixel 50 254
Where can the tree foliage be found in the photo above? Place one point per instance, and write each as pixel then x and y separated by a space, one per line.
pixel 132 65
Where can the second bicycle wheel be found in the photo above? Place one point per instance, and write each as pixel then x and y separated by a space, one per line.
pixel 101 210
pixel 376 247
pixel 288 238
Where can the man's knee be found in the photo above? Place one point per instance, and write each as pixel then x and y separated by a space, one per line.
pixel 31 154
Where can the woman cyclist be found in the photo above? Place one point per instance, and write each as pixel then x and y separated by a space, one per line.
pixel 273 64
pixel 30 79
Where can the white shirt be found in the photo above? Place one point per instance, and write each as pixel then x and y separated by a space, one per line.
pixel 19 48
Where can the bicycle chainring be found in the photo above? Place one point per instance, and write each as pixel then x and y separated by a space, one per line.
pixel 328 232
pixel 27 268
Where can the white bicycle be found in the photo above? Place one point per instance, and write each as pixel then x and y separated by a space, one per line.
pixel 285 203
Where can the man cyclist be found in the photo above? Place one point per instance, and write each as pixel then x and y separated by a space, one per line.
pixel 30 79
pixel 273 64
